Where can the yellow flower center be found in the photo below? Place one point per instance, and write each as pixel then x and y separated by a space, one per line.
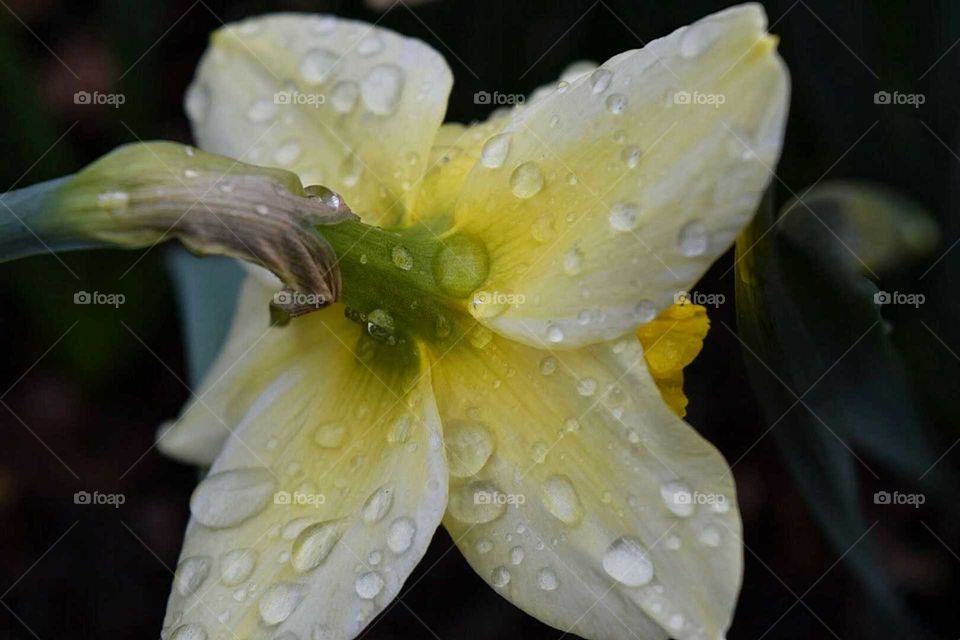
pixel 671 342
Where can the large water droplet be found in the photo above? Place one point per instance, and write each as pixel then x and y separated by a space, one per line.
pixel 278 602
pixel 624 216
pixel 678 498
pixel 554 333
pixel 313 545
pixel 381 89
pixel 262 110
pixel 377 505
pixel 561 500
pixel 401 534
pixel 237 565
pixel 495 150
pixel 469 446
pixel 698 37
pixel 401 257
pixel 693 239
pixel 190 574
pixel 526 180
pixel 626 560
pixel 189 632
pixel 329 435
pixel 369 585
pixel 343 96
pixel 547 579
pixel 500 577
pixel 228 498
pixel 317 64
pixel 477 502
pixel 600 80
pixel 616 103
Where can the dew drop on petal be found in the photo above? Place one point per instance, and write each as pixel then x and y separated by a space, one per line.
pixel 377 505
pixel 554 333
pixel 371 45
pixel 624 216
pixel 678 498
pixel 494 151
pixel 631 156
pixel 516 555
pixel 548 365
pixel 329 435
pixel 381 88
pixel 190 574
pixel 526 180
pixel 237 565
pixel 401 534
pixel 587 386
pixel 547 579
pixel 561 500
pixel 317 64
pixel 228 498
pixel 626 560
pixel 500 577
pixel 469 446
pixel 343 96
pixel 369 585
pixel 645 311
pixel 313 545
pixel 693 239
pixel 401 257
pixel 616 103
pixel 573 262
pixel 710 536
pixel 600 80
pixel 278 602
pixel 262 110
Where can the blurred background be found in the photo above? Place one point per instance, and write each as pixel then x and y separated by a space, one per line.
pixel 84 388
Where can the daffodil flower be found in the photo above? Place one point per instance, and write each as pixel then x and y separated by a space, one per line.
pixel 481 368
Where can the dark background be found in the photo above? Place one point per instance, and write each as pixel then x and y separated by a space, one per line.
pixel 82 395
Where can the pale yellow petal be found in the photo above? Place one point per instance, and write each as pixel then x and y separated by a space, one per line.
pixel 323 499
pixel 348 105
pixel 581 497
pixel 621 187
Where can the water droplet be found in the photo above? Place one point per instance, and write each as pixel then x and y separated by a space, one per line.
pixel 262 110
pixel 401 534
pixel 548 365
pixel 374 557
pixel 487 304
pixel 697 38
pixel 571 425
pixel 477 502
pixel 287 153
pixel 469 446
pixel 616 103
pixel 624 216
pixel 400 429
pixel 380 325
pixel 645 311
pixel 526 180
pixel 539 452
pixel 561 500
pixel 495 150
pixel 190 574
pixel 547 579
pixel 678 498
pixel 710 536
pixel 237 565
pixel 587 386
pixel 369 585
pixel 381 89
pixel 377 505
pixel 317 64
pixel 189 632
pixel 600 80
pixel 329 435
pixel 370 45
pixel 343 96
pixel 228 498
pixel 542 228
pixel 516 555
pixel 313 545
pixel 483 546
pixel 278 602
pixel 500 577
pixel 693 239
pixel 554 333
pixel 631 156
pixel 626 561
pixel 673 542
pixel 401 257
pixel 573 262
pixel 197 102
